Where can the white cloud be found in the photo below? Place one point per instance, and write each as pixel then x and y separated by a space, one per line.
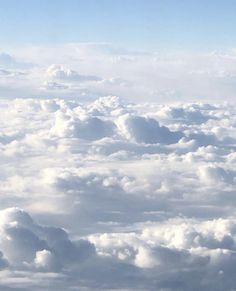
pixel 67 75
pixel 51 85
pixel 146 130
pixel 92 70
pixel 88 128
pixel 117 195
pixel 25 243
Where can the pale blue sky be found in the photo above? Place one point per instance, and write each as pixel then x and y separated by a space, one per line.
pixel 139 24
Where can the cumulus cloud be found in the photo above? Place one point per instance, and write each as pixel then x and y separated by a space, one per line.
pixel 67 75
pixel 147 130
pixel 88 128
pixel 26 244
pixel 188 113
pixel 206 248
pixel 108 195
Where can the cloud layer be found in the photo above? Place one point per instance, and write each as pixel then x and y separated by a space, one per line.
pixel 107 195
pixel 90 70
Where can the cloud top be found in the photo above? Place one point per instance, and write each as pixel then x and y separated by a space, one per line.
pixel 106 195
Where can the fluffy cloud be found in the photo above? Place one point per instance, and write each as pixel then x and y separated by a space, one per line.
pixel 146 130
pixel 110 195
pixel 25 244
pixel 88 128
pixel 60 73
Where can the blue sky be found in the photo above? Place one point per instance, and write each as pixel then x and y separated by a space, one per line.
pixel 139 24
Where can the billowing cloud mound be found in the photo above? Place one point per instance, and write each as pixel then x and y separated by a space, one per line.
pixel 25 244
pixel 60 73
pixel 88 128
pixel 105 195
pixel 147 130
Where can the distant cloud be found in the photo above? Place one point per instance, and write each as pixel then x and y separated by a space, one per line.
pixel 7 60
pixel 67 75
pixel 91 70
pixel 51 85
pixel 11 73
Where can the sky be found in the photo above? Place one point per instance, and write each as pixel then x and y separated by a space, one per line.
pixel 160 51
pixel 117 145
pixel 140 24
